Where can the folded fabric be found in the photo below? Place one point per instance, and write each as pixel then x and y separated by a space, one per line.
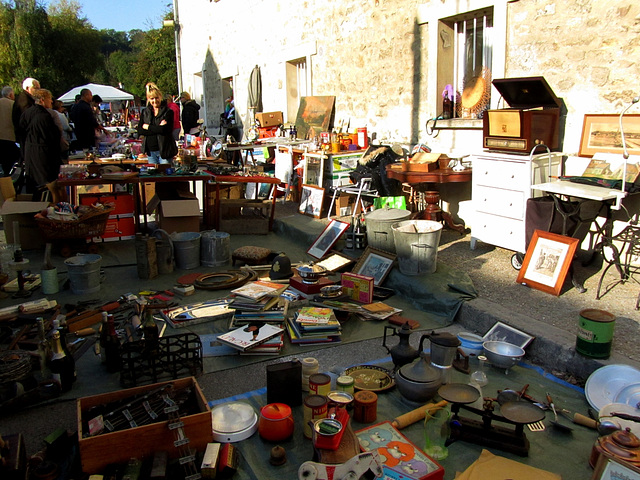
pixel 492 466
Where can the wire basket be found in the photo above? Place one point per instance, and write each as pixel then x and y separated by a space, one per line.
pixel 91 224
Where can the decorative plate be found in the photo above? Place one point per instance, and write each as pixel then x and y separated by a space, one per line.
pixel 371 378
pixel 604 384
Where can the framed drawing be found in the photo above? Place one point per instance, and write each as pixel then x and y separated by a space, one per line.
pixel 601 134
pixel 547 261
pixel 501 332
pixel 327 238
pixel 608 467
pixel 311 200
pixel 335 261
pixel 375 263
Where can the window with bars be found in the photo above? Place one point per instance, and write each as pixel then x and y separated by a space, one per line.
pixel 465 55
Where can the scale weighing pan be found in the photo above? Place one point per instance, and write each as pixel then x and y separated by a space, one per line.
pixel 521 412
pixel 458 393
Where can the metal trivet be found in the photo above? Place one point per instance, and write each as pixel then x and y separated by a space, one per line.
pixel 177 356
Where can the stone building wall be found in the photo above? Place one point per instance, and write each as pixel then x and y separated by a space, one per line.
pixel 373 56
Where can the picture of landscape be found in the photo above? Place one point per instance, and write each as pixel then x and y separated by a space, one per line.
pixel 601 133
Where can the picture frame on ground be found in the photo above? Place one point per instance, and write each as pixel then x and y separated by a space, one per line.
pixel 547 261
pixel 311 200
pixel 601 134
pixel 375 263
pixel 327 238
pixel 501 332
pixel 335 261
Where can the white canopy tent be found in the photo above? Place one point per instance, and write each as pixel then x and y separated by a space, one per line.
pixel 106 92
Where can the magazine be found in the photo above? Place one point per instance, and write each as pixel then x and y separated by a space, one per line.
pixel 257 290
pixel 249 336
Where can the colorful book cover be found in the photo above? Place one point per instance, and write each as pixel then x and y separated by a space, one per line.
pixel 257 290
pixel 314 315
pixel 249 336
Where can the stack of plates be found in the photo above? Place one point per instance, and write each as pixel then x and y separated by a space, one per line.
pixel 613 384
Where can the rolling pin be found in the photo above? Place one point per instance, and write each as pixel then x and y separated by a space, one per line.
pixel 418 414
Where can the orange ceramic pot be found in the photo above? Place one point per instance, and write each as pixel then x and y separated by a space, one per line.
pixel 276 422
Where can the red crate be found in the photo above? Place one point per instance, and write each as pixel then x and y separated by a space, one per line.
pixel 123 201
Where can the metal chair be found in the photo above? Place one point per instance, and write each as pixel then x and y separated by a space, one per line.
pixel 360 190
pixel 621 251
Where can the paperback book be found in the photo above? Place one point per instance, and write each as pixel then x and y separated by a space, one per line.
pixel 257 290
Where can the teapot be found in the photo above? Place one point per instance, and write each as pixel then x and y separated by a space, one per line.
pixel 402 353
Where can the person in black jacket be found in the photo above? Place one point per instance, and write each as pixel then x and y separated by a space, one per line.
pixel 42 157
pixel 84 122
pixel 190 114
pixel 156 127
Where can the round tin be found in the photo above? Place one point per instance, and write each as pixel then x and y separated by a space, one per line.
pixel 345 383
pixel 319 384
pixel 315 408
pixel 365 407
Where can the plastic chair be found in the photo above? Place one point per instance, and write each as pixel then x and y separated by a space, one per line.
pixel 360 190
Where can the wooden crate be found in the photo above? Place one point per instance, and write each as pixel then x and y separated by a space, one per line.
pixel 245 216
pixel 141 442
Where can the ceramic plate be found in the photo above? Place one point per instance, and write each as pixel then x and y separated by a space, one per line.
pixel 370 377
pixel 607 410
pixel 629 395
pixel 604 384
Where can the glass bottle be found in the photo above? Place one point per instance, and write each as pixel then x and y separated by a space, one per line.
pixel 111 346
pixel 447 107
pixel 62 364
pixel 478 379
pixel 44 351
pixel 151 333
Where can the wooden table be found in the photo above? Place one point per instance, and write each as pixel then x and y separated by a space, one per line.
pixel 432 196
pixel 140 203
pixel 213 214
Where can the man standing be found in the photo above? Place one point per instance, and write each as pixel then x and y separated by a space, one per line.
pixel 9 152
pixel 84 122
pixel 190 113
pixel 24 101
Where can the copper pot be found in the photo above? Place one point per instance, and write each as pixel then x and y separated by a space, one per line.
pixel 621 444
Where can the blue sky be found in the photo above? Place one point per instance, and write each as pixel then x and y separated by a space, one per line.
pixel 124 15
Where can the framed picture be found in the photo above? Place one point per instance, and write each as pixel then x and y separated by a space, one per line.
pixel 327 238
pixel 601 134
pixel 610 468
pixel 335 261
pixel 501 332
pixel 375 263
pixel 547 261
pixel 311 200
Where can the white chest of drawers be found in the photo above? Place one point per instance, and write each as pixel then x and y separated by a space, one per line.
pixel 500 188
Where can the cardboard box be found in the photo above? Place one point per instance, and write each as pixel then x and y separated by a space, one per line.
pixel 7 191
pixel 179 215
pixel 30 235
pixel 122 201
pixel 116 447
pixel 270 119
pixel 357 287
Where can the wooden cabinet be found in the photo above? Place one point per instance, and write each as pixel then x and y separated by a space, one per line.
pixel 501 186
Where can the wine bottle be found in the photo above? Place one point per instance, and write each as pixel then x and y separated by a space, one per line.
pixel 447 107
pixel 61 364
pixel 151 333
pixel 44 351
pixel 112 347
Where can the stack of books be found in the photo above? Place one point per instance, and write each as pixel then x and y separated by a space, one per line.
pixel 256 296
pixel 314 325
pixel 377 311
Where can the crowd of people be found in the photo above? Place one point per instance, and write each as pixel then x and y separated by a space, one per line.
pixel 37 133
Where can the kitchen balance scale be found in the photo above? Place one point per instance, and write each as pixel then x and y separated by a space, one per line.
pixel 483 431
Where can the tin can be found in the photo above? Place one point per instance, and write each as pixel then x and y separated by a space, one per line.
pixel 319 384
pixel 365 407
pixel 315 408
pixel 363 139
pixel 345 383
pixel 595 333
pixel 309 367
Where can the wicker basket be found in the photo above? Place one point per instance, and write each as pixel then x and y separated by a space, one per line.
pixel 90 225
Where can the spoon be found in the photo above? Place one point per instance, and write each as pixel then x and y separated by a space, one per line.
pixel 555 423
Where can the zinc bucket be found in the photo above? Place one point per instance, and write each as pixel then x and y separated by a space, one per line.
pixel 84 273
pixel 379 222
pixel 186 247
pixel 595 333
pixel 417 244
pixel 215 248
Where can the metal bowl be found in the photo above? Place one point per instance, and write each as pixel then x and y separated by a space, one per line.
pixel 502 354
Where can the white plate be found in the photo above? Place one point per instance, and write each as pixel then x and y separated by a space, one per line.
pixel 629 395
pixel 605 414
pixel 604 384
